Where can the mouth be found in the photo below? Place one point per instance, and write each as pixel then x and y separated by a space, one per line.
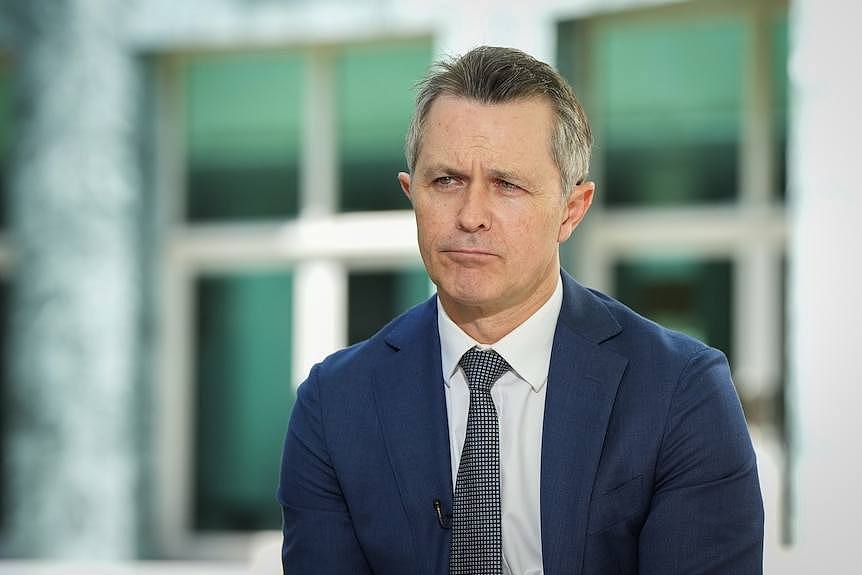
pixel 477 251
pixel 468 255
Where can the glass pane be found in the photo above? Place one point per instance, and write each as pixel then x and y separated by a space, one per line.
pixel 5 136
pixel 692 296
pixel 668 98
pixel 243 122
pixel 780 83
pixel 244 397
pixel 4 327
pixel 783 422
pixel 375 102
pixel 375 298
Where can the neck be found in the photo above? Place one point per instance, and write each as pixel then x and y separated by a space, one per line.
pixel 489 324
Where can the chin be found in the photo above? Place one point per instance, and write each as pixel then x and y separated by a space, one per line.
pixel 470 296
pixel 467 287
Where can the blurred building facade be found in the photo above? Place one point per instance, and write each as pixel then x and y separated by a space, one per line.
pixel 199 202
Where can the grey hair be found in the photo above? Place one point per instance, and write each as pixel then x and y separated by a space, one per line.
pixel 495 75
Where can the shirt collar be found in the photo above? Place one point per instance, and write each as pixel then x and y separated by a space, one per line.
pixel 527 348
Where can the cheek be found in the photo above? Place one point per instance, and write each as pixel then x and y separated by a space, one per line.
pixel 431 219
pixel 533 234
pixel 428 235
pixel 427 227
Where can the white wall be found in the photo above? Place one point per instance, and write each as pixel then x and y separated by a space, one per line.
pixel 825 311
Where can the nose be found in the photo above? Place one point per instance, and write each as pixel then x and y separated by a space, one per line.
pixel 475 214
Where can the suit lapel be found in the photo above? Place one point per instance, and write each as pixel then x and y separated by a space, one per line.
pixel 411 407
pixel 582 384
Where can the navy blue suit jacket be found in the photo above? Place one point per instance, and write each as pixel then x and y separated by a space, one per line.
pixel 646 462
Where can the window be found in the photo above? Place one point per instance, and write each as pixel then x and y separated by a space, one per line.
pixel 4 327
pixel 689 109
pixel 692 296
pixel 5 137
pixel 243 128
pixel 374 107
pixel 377 297
pixel 779 82
pixel 667 100
pixel 289 238
pixel 243 330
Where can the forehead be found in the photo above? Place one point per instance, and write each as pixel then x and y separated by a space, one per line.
pixel 459 129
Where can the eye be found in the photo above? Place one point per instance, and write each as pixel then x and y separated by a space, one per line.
pixel 445 181
pixel 509 187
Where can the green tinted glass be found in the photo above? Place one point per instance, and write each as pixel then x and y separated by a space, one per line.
pixel 4 322
pixel 5 108
pixel 375 103
pixel 780 83
pixel 5 135
pixel 374 298
pixel 243 122
pixel 244 397
pixel 692 296
pixel 667 104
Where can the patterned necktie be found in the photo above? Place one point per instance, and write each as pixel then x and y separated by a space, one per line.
pixel 477 539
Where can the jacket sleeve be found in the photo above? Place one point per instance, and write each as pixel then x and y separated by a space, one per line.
pixel 319 537
pixel 706 515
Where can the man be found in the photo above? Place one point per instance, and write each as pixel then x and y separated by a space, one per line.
pixel 517 422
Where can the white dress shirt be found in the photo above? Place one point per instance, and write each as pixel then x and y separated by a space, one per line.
pixel 519 397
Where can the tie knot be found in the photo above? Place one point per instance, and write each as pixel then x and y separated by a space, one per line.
pixel 483 367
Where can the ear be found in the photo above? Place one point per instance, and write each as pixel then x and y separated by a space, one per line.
pixel 577 203
pixel 404 180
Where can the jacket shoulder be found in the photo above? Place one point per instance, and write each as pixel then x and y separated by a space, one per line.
pixel 641 333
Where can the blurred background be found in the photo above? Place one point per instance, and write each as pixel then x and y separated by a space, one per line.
pixel 198 202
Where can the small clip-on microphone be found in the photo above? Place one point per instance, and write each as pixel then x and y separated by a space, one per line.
pixel 444 519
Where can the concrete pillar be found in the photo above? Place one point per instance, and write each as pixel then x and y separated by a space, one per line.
pixel 74 187
pixel 825 304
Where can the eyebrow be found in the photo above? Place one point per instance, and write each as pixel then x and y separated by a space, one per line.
pixel 509 177
pixel 440 169
pixel 448 170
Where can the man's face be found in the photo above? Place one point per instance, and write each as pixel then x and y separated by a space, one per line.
pixel 489 208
